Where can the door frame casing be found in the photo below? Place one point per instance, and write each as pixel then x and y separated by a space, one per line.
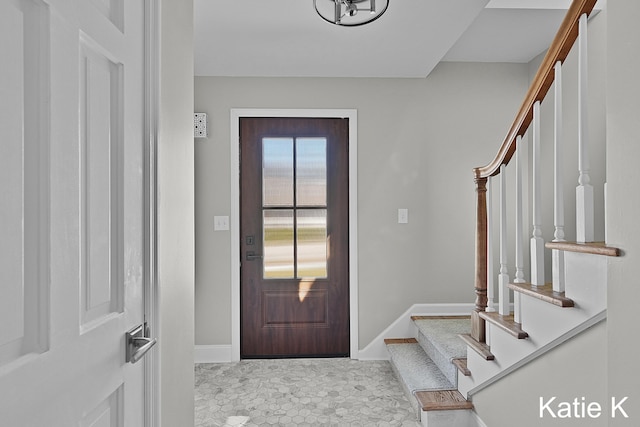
pixel 236 114
pixel 150 193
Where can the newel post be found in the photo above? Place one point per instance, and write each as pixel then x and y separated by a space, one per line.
pixel 477 323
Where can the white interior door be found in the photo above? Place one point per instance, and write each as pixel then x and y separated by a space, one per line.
pixel 72 217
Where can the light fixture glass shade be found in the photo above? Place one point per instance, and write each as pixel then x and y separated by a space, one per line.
pixel 350 13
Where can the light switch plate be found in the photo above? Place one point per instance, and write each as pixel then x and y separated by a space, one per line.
pixel 403 216
pixel 220 223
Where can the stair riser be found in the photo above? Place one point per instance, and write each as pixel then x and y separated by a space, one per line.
pixel 412 401
pixel 545 322
pixel 465 384
pixel 443 362
pixel 507 349
pixel 439 340
pixel 481 370
pixel 453 418
pixel 586 278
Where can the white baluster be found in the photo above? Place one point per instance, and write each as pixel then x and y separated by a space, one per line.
pixel 606 235
pixel 537 242
pixel 584 190
pixel 558 206
pixel 503 278
pixel 491 290
pixel 519 276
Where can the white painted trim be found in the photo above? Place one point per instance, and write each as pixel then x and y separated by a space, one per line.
pixel 478 420
pixel 601 316
pixel 403 327
pixel 235 115
pixel 151 292
pixel 212 354
pixel 234 226
pixel 456 417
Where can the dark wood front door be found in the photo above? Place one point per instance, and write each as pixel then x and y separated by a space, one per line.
pixel 295 237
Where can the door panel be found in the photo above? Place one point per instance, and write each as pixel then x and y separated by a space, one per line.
pixel 294 245
pixel 71 223
pixel 23 186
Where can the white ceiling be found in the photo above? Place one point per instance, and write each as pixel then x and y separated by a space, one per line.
pixel 286 38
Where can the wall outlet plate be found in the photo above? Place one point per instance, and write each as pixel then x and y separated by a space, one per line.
pixel 199 125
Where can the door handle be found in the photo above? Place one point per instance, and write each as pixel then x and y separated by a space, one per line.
pixel 137 344
pixel 252 256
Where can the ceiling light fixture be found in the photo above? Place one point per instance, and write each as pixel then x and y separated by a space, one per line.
pixel 347 13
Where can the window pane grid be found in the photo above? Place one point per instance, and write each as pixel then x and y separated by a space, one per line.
pixel 311 242
pixel 278 251
pixel 277 172
pixel 294 208
pixel 311 171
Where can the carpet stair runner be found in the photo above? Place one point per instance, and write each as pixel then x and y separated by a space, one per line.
pixel 428 366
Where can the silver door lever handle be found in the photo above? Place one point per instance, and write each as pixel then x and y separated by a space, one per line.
pixel 252 256
pixel 137 344
pixel 145 345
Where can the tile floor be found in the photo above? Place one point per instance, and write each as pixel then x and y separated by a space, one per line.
pixel 300 392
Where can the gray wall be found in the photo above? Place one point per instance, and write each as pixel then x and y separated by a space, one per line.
pixel 176 214
pixel 623 209
pixel 418 140
pixel 575 369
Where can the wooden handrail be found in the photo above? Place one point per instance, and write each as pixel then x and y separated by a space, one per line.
pixel 558 51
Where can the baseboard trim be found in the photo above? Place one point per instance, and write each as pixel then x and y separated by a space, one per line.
pixel 478 420
pixel 403 327
pixel 212 353
pixel 600 317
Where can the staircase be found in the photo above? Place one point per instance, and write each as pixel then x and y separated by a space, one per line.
pixel 442 366
pixel 428 367
pixel 449 359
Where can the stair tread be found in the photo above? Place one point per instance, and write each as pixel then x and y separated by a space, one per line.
pixel 481 348
pixel 461 364
pixel 455 317
pixel 400 341
pixel 442 400
pixel 544 293
pixel 595 248
pixel 416 370
pixel 506 323
pixel 443 334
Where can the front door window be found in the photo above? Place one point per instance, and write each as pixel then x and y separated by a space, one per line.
pixel 294 211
